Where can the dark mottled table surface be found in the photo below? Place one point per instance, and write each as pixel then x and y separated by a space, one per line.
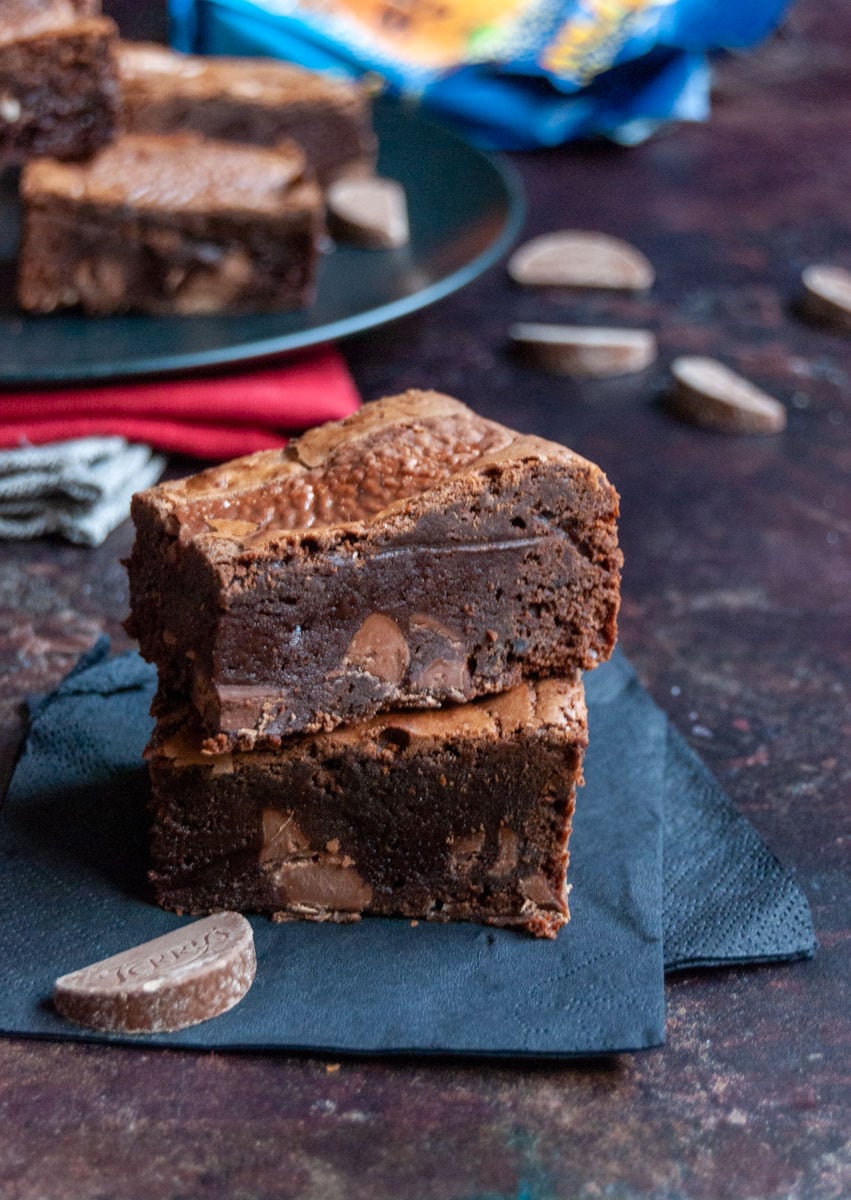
pixel 736 612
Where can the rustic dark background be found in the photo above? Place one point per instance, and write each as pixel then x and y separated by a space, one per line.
pixel 736 613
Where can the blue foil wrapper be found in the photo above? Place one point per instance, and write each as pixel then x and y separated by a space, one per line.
pixel 515 75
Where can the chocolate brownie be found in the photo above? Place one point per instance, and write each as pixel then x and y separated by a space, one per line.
pixel 248 100
pixel 459 814
pixel 59 90
pixel 410 556
pixel 170 225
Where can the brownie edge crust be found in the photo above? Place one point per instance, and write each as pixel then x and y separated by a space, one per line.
pixel 458 814
pixel 412 556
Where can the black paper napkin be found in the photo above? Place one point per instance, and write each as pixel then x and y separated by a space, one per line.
pixel 72 843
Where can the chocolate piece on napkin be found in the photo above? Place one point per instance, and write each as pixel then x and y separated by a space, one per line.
pixel 73 845
pixel 192 974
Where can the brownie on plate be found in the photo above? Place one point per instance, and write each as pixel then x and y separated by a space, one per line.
pixel 170 225
pixel 248 100
pixel 459 814
pixel 58 83
pixel 411 556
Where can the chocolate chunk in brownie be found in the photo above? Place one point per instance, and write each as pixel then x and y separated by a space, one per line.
pixel 59 90
pixel 170 225
pixel 410 556
pixel 459 814
pixel 248 100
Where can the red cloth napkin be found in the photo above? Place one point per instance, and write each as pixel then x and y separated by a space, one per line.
pixel 219 417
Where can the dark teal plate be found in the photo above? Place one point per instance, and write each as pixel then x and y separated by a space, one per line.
pixel 465 211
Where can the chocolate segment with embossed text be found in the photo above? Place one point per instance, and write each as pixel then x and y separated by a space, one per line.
pixel 190 975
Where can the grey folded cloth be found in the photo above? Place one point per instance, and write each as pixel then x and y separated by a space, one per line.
pixel 79 489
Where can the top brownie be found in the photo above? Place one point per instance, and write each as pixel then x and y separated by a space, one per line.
pixel 248 100
pixel 412 555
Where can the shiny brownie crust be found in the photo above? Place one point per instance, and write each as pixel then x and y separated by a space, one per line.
pixel 59 93
pixel 248 100
pixel 459 814
pixel 411 556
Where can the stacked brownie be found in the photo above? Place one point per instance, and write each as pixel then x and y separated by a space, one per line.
pixel 369 648
pixel 207 200
pixel 59 92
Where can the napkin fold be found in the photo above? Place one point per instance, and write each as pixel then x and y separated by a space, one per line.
pixel 79 489
pixel 210 417
pixel 665 874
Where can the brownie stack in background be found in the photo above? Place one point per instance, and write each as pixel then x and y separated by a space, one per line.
pixel 134 217
pixel 256 101
pixel 369 648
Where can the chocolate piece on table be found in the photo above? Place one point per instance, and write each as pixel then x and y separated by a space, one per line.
pixel 58 84
pixel 369 212
pixel 827 295
pixel 185 977
pixel 463 813
pixel 583 352
pixel 573 258
pixel 708 393
pixel 170 225
pixel 410 556
pixel 248 100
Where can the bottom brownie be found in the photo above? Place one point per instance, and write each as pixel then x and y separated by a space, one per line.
pixel 458 814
